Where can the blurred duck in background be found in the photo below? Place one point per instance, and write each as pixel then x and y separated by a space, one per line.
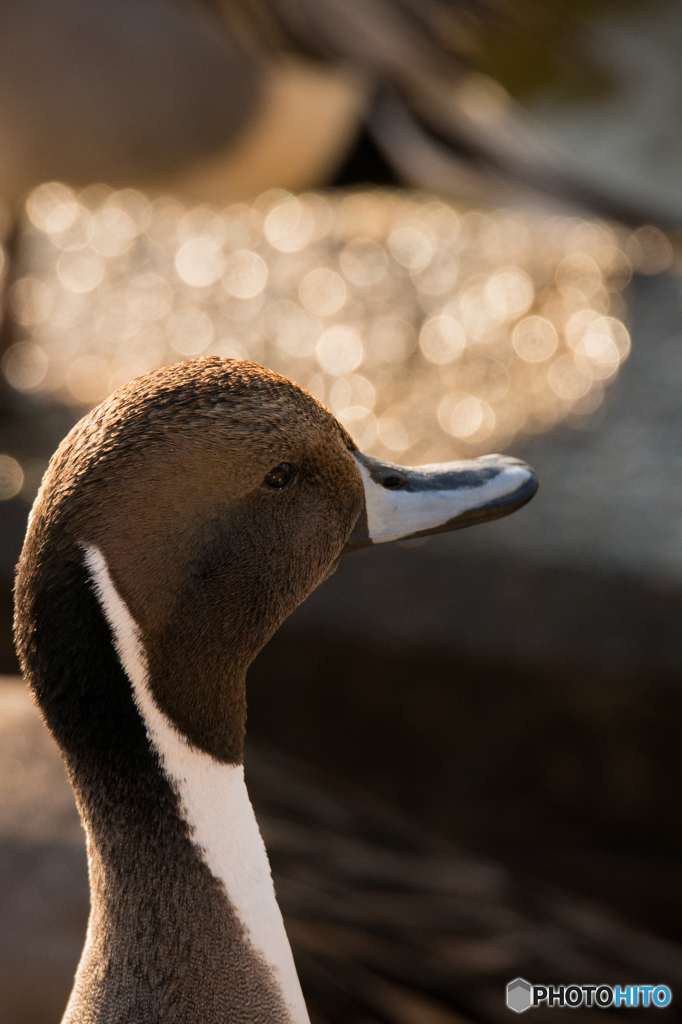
pixel 221 101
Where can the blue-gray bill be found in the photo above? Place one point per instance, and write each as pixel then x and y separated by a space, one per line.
pixel 402 502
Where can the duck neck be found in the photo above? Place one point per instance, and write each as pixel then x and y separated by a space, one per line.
pixel 184 923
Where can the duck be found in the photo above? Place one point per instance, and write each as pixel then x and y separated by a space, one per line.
pixel 213 102
pixel 178 524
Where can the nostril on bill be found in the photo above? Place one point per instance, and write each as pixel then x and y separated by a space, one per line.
pixel 392 483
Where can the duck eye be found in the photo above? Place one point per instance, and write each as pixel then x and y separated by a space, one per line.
pixel 392 483
pixel 280 475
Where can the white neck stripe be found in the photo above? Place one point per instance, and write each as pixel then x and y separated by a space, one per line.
pixel 214 801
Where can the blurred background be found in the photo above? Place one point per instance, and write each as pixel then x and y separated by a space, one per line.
pixel 456 224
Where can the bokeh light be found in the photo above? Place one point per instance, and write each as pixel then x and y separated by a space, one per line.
pixel 431 331
pixel 11 477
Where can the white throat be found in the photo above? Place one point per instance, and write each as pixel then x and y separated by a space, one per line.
pixel 213 800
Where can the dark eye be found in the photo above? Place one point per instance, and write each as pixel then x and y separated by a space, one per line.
pixel 392 483
pixel 281 475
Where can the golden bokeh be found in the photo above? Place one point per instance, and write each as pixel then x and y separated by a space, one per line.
pixel 431 331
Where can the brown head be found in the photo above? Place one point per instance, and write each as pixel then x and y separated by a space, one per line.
pixel 220 495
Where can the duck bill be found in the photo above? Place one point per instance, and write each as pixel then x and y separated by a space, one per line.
pixel 402 502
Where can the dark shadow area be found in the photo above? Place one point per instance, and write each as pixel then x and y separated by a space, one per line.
pixel 365 164
pixel 564 773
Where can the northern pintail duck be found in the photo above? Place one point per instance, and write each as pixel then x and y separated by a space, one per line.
pixel 177 526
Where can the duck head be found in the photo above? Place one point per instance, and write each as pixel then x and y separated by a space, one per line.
pixel 178 525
